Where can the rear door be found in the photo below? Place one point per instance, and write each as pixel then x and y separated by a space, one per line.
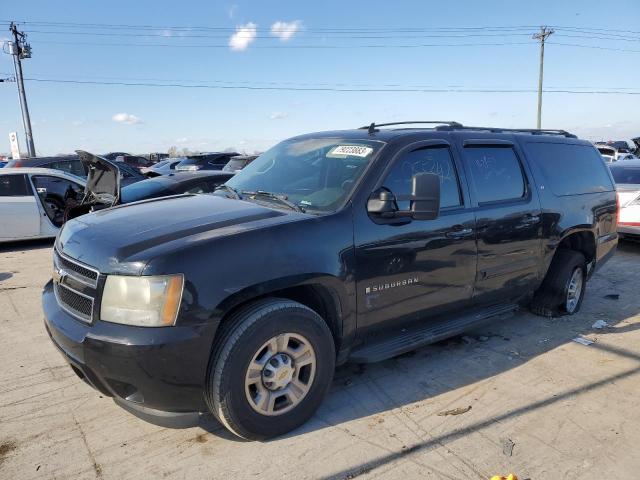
pixel 508 219
pixel 19 213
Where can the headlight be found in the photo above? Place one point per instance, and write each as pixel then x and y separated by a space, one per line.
pixel 142 301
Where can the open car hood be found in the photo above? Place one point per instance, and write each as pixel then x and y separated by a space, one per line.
pixel 103 180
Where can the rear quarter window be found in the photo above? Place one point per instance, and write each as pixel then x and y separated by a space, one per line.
pixel 570 169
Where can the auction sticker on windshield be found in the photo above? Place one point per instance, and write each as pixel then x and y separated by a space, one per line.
pixel 341 151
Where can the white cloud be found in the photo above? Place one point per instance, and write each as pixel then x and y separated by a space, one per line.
pixel 182 140
pixel 285 30
pixel 245 34
pixel 125 118
pixel 278 115
pixel 77 123
pixel 231 11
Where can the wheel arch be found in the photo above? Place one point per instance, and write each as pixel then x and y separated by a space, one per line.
pixel 324 295
pixel 580 240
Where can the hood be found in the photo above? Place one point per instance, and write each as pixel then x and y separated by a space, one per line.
pixel 125 238
pixel 103 179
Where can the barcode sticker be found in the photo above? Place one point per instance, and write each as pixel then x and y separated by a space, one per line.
pixel 350 151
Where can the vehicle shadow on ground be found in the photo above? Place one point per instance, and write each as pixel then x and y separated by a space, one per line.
pixel 360 391
pixel 26 245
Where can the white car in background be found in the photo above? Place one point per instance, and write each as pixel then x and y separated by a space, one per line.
pixel 33 201
pixel 627 177
pixel 608 153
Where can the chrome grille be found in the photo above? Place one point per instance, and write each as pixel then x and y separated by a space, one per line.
pixel 75 303
pixel 78 271
pixel 75 286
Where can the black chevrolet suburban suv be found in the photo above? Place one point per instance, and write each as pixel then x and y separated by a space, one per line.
pixel 354 245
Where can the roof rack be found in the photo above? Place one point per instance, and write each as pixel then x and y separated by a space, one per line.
pixel 531 131
pixel 447 125
pixel 372 127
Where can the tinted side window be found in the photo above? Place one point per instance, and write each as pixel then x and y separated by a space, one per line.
pixel 496 173
pixel 628 175
pixel 425 160
pixel 14 186
pixel 570 169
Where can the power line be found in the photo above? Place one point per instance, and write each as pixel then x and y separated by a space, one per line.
pixel 294 47
pixel 315 35
pixel 330 89
pixel 309 84
pixel 316 29
pixel 341 47
pixel 228 28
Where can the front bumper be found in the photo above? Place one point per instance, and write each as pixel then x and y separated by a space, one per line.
pixel 629 230
pixel 157 368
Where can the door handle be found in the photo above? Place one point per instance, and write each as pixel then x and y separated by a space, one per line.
pixel 531 219
pixel 458 231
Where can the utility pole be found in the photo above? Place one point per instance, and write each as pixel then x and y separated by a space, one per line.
pixel 21 50
pixel 542 36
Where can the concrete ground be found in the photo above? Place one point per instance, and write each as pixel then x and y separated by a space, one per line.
pixel 535 403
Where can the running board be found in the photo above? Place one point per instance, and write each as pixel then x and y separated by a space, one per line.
pixel 416 337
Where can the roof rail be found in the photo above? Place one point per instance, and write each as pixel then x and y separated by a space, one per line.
pixel 372 127
pixel 532 131
pixel 445 125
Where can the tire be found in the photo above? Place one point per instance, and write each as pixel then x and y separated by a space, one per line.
pixel 553 297
pixel 236 401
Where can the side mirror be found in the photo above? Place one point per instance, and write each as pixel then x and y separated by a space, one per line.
pixel 425 196
pixel 424 200
pixel 382 203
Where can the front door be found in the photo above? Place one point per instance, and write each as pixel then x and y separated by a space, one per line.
pixel 19 213
pixel 411 269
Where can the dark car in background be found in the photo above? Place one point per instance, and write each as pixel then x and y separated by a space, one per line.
pixel 174 184
pixel 238 163
pixel 72 164
pixel 113 155
pixel 135 161
pixel 104 189
pixel 206 161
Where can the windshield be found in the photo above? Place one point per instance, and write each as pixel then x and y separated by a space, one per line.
pixel 626 175
pixel 234 165
pixel 151 188
pixel 313 173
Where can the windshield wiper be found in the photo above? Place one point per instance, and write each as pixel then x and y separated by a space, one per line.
pixel 232 190
pixel 274 196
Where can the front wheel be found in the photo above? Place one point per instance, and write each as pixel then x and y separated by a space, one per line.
pixel 271 370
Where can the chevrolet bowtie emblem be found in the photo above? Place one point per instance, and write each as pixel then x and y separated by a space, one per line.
pixel 59 275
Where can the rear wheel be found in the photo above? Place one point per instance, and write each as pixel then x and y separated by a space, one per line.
pixel 563 288
pixel 271 369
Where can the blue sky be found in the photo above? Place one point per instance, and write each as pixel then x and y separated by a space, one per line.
pixel 141 119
